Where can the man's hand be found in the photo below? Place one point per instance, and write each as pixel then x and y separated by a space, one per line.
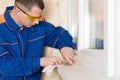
pixel 68 54
pixel 50 60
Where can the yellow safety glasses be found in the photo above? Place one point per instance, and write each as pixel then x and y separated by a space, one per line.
pixel 30 17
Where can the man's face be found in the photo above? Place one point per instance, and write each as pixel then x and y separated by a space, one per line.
pixel 30 18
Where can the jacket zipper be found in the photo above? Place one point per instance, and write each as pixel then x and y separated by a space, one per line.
pixel 21 43
pixel 24 78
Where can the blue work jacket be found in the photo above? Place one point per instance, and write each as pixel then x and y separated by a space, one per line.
pixel 21 49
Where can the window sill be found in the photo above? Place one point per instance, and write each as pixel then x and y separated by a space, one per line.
pixel 91 64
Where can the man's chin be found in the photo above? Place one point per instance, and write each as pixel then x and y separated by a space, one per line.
pixel 29 26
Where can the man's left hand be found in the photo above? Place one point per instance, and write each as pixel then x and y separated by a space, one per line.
pixel 68 54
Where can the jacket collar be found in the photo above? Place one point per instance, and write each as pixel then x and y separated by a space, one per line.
pixel 9 21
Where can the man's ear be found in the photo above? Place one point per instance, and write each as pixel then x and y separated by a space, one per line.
pixel 18 12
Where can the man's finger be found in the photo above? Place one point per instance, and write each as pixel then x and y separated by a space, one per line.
pixel 70 61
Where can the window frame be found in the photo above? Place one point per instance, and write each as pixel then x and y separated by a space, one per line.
pixel 83 40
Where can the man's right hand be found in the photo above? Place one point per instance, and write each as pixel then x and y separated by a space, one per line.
pixel 50 60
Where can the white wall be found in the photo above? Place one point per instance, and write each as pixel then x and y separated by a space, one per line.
pixel 4 3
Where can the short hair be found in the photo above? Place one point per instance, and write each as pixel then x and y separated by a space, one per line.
pixel 30 3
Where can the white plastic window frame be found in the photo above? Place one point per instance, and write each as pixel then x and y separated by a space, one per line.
pixel 83 41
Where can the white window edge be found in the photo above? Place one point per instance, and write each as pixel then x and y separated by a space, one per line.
pixel 109 35
pixel 84 28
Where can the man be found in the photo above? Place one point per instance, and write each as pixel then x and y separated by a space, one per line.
pixel 23 35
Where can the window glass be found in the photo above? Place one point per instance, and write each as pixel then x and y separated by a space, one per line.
pixel 96 13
